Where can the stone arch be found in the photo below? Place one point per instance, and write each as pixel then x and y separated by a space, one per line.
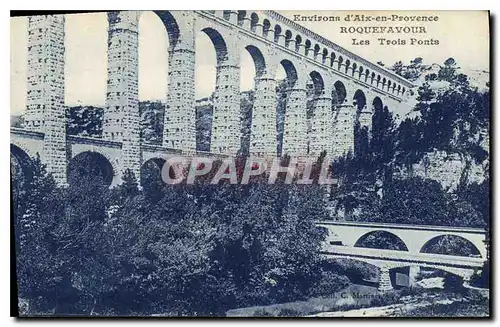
pixel 254 21
pixel 22 146
pixel 258 59
pixel 288 38
pixel 366 240
pixel 266 26
pixel 354 67
pixel 378 80
pixel 277 32
pixel 347 66
pixel 359 100
pixel 324 56
pixel 339 93
pixel 171 26
pixel 377 104
pixel 332 58
pixel 316 51
pixel 384 83
pixel 298 43
pixel 151 170
pixel 361 70
pixel 91 162
pixel 389 85
pixel 20 159
pixel 372 78
pixel 318 83
pixel 340 61
pixel 219 43
pixel 367 75
pixel 226 14
pixel 241 17
pixel 307 47
pixel 291 72
pixel 441 245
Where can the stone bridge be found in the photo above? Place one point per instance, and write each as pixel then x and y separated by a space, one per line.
pixel 344 242
pixel 346 90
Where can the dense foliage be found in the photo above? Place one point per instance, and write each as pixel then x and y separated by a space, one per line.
pixel 194 250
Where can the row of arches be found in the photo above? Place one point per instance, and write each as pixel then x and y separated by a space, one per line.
pixel 446 244
pixel 318 52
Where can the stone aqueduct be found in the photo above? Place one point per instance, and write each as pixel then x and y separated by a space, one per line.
pixel 357 86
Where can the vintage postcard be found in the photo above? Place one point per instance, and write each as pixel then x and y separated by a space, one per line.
pixel 242 163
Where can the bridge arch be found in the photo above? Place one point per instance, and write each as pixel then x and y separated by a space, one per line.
pixel 377 104
pixel 318 83
pixel 258 60
pixel 450 244
pixel 95 163
pixel 20 161
pixel 359 100
pixel 221 50
pixel 171 26
pixel 374 238
pixel 339 93
pixel 151 170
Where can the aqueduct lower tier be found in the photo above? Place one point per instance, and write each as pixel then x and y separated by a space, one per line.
pixel 346 88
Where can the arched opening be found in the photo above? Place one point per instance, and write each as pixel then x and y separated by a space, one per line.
pixel 286 77
pixel 210 54
pixel 372 78
pixel 339 94
pixel 359 100
pixel 226 14
pixel 241 17
pixel 367 75
pixel 381 240
pixel 377 104
pixel 361 137
pixel 277 33
pixel 254 20
pixel 451 245
pixel 354 67
pixel 253 66
pixel 21 166
pixel 307 48
pixel 266 26
pixel 347 66
pixel 358 272
pixel 298 43
pixel 324 56
pixel 288 38
pixel 90 165
pixel 315 88
pixel 332 59
pixel 340 61
pixel 361 70
pixel 151 171
pixel 316 51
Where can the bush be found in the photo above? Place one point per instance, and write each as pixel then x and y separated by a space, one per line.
pixel 329 283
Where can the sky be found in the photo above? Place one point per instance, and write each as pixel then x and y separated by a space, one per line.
pixel 462 35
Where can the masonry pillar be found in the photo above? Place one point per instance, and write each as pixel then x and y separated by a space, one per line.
pixel 263 136
pixel 343 130
pixel 45 109
pixel 321 126
pixel 295 130
pixel 384 280
pixel 365 119
pixel 226 112
pixel 413 274
pixel 179 131
pixel 121 117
